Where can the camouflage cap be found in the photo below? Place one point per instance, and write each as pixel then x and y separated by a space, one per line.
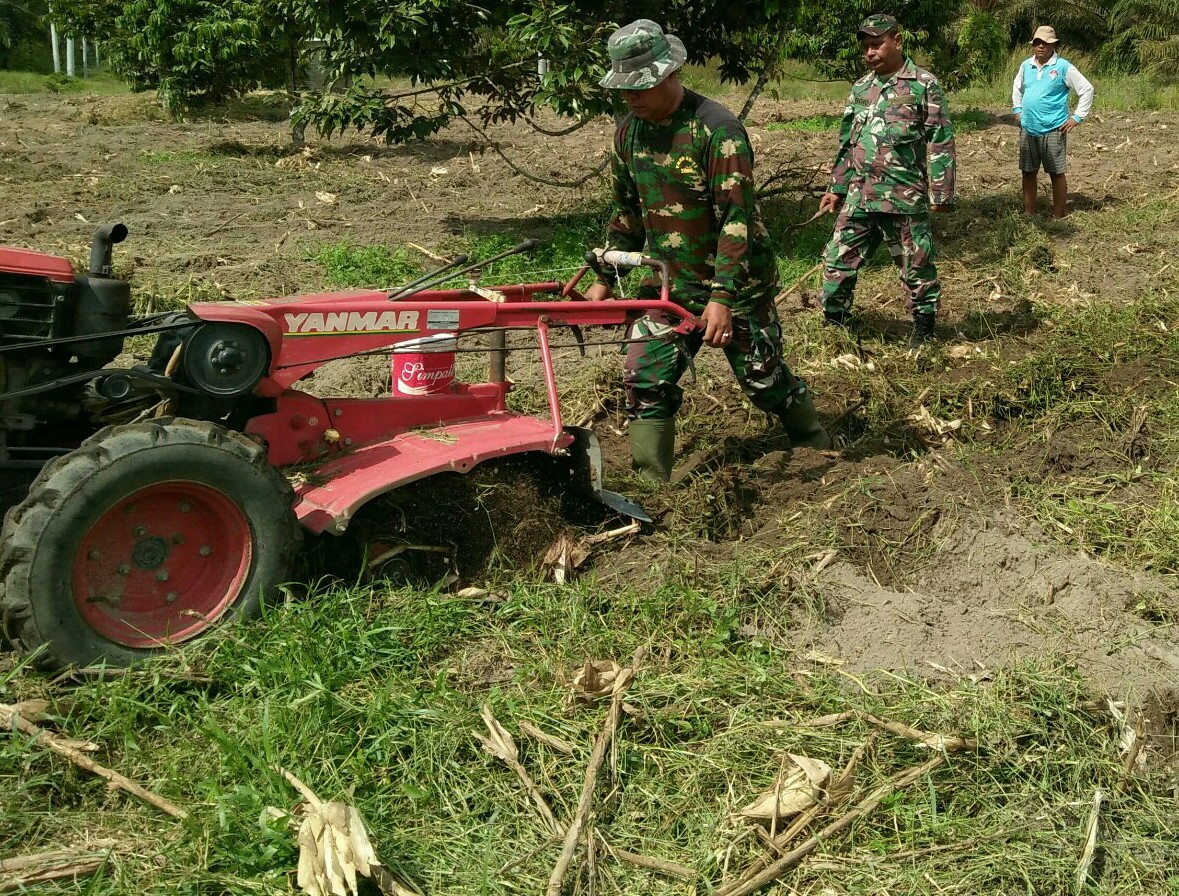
pixel 877 25
pixel 641 56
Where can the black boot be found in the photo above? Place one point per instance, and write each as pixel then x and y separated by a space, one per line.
pixel 922 330
pixel 802 424
pixel 836 318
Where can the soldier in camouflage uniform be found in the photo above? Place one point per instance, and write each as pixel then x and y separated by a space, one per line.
pixel 682 172
pixel 895 164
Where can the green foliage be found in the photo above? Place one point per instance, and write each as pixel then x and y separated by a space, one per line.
pixel 59 82
pixel 1145 37
pixel 982 48
pixel 1125 35
pixel 24 39
pixel 824 32
pixel 461 59
pixel 190 51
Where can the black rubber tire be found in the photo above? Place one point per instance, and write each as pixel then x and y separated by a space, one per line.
pixel 42 536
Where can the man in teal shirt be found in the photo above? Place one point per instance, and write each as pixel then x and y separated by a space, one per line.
pixel 1039 98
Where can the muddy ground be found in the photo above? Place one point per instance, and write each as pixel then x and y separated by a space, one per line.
pixel 222 208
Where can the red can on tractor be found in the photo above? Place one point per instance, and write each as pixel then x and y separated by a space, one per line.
pixel 162 500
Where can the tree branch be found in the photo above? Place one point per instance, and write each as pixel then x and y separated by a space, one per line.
pixel 533 177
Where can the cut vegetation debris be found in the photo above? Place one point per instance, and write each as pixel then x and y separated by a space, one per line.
pixel 967 611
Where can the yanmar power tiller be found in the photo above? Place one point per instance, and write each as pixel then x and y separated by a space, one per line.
pixel 171 496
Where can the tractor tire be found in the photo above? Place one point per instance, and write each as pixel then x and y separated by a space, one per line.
pixel 146 536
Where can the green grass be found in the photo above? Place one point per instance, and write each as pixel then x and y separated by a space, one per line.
pixel 101 82
pixel 561 247
pixel 807 124
pixel 370 696
pixel 368 266
pixel 183 156
pixel 796 82
pixel 968 120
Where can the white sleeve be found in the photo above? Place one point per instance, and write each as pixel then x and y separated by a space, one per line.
pixel 1084 89
pixel 1017 90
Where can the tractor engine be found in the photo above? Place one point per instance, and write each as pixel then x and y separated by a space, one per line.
pixel 46 362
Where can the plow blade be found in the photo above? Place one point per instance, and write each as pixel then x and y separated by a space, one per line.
pixel 587 460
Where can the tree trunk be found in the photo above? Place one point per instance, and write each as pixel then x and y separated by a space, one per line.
pixel 759 85
pixel 298 125
pixel 56 49
pixel 71 70
pixel 763 77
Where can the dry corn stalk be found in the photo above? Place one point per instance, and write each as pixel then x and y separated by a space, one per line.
pixel 801 785
pixel 499 743
pixel 563 557
pixel 333 846
pixel 595 680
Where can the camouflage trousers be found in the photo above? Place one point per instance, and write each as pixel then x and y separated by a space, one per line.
pixel 654 365
pixel 858 234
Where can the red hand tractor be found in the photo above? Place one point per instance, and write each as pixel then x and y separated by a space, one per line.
pixel 165 497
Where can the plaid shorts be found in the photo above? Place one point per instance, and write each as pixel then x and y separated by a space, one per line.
pixel 1048 150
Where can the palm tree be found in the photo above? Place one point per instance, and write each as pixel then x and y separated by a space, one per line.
pixel 1145 37
pixel 1083 23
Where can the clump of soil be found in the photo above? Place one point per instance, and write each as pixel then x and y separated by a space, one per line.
pixel 501 516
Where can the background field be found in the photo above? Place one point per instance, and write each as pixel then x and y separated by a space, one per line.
pixel 991 552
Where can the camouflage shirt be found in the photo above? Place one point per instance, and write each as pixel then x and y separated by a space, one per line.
pixel 684 194
pixel 882 160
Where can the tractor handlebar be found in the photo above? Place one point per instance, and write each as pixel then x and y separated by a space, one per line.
pixel 598 259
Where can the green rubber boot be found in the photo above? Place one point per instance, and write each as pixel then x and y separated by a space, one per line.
pixel 802 424
pixel 652 448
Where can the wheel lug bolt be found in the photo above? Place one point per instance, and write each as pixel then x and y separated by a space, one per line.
pixel 170 597
pixel 185 507
pixel 140 531
pixel 205 550
pixel 162 575
pixel 124 569
pixel 93 555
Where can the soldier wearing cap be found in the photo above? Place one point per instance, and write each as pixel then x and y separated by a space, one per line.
pixel 682 175
pixel 1039 99
pixel 895 164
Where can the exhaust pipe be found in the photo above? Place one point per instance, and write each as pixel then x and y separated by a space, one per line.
pixel 100 248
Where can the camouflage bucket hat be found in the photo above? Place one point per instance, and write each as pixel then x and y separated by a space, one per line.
pixel 641 56
pixel 877 26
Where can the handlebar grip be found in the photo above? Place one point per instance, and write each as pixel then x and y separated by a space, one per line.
pixel 623 259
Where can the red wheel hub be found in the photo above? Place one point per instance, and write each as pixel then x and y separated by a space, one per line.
pixel 162 565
